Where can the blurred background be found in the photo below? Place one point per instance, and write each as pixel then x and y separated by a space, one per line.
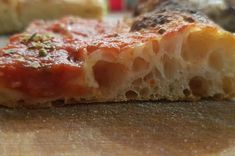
pixel 120 5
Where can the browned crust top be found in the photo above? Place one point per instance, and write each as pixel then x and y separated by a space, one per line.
pixel 168 15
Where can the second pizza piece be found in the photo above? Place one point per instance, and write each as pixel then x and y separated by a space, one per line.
pixel 15 15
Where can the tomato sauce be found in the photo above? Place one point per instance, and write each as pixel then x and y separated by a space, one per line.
pixel 47 60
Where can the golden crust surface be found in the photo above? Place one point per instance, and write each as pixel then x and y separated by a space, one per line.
pixel 168 15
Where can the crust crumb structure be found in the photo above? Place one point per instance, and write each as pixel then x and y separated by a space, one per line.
pixel 170 54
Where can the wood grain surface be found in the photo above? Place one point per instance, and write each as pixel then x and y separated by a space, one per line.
pixel 125 129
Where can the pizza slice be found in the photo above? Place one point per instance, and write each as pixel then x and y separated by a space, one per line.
pixel 173 52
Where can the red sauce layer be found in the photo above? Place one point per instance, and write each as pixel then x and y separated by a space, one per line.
pixel 44 60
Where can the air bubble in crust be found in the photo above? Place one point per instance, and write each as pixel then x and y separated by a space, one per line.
pixel 216 60
pixel 196 47
pixel 170 66
pixel 109 75
pixel 139 65
pixel 131 95
pixel 199 86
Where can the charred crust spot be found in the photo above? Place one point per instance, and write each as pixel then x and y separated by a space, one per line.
pixel 112 35
pixel 161 19
pixel 151 20
pixel 168 14
pixel 192 11
pixel 138 25
pixel 187 92
pixel 189 19
pixel 161 31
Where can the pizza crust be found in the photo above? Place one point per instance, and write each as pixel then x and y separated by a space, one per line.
pixel 169 67
pixel 167 55
pixel 186 66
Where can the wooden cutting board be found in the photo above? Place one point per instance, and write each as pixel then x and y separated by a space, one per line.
pixel 125 129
